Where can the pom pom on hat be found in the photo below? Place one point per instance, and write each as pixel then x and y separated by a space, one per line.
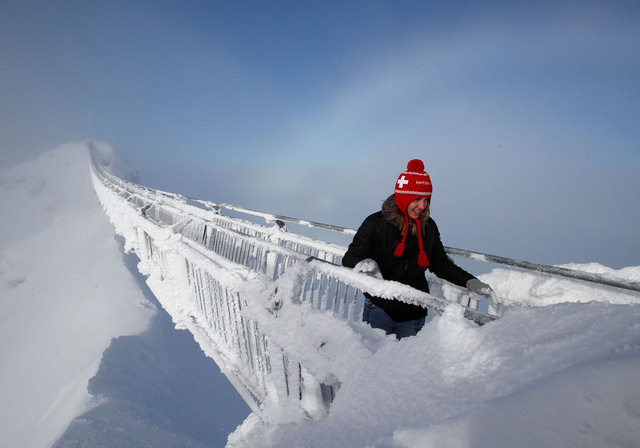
pixel 415 165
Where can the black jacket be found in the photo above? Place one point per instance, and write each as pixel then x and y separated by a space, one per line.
pixel 377 239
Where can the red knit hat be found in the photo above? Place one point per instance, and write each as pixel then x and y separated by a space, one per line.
pixel 413 184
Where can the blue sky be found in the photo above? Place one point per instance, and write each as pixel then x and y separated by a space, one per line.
pixel 526 115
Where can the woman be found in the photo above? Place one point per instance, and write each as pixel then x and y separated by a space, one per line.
pixel 400 242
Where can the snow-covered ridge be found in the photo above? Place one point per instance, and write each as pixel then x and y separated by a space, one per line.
pixel 64 294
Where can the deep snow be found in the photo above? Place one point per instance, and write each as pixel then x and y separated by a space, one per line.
pixel 66 291
pixel 560 367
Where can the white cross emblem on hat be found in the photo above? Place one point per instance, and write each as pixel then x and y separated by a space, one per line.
pixel 402 182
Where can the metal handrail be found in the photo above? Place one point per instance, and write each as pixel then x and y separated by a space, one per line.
pixel 338 251
pixel 153 202
pixel 210 266
pixel 546 269
pixel 215 254
pixel 472 255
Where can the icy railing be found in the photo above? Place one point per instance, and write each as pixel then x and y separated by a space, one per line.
pixel 247 243
pixel 452 251
pixel 211 272
pixel 207 269
pixel 204 293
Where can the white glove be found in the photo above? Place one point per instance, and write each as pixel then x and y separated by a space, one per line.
pixel 368 266
pixel 475 285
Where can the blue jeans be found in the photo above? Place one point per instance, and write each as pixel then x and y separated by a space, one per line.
pixel 378 318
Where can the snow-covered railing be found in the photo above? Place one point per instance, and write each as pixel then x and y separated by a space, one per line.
pixel 452 251
pixel 334 253
pixel 546 269
pixel 205 293
pixel 206 268
pixel 269 250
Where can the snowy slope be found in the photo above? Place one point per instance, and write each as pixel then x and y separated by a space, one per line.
pixel 65 293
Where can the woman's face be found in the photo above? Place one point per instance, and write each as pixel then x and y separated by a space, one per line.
pixel 416 207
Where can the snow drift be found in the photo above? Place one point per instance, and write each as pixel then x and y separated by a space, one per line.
pixel 67 294
pixel 64 292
